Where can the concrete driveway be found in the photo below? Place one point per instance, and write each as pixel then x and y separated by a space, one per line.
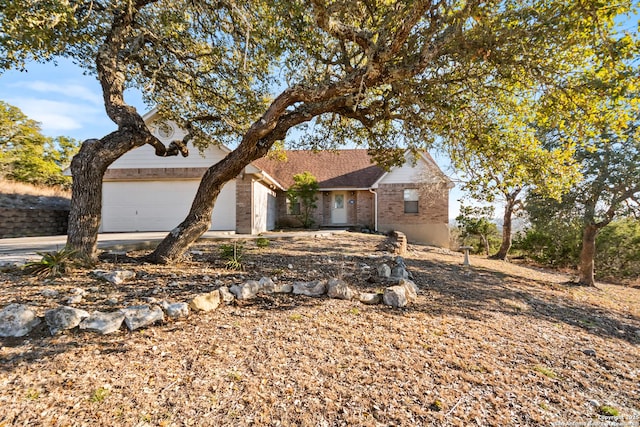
pixel 24 249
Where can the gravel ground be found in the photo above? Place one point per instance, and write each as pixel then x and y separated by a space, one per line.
pixel 495 344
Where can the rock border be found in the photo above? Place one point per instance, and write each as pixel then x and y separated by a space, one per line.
pixel 18 320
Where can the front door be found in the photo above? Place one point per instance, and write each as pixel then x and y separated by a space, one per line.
pixel 338 208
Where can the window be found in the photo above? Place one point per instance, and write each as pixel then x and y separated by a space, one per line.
pixel 293 208
pixel 411 200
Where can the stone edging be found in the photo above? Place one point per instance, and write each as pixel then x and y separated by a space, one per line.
pixel 17 320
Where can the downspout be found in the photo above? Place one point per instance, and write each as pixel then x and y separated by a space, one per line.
pixel 375 209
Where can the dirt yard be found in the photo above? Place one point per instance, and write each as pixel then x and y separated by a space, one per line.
pixel 493 345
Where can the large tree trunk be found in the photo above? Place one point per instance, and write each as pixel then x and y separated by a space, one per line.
pixel 86 203
pixel 88 168
pixel 587 255
pixel 198 220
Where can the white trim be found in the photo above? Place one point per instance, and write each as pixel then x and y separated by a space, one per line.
pixel 375 209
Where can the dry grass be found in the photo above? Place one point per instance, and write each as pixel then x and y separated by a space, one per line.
pixel 497 344
pixel 13 187
pixel 20 195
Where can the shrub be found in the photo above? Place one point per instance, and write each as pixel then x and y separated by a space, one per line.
pixel 617 252
pixel 52 264
pixel 262 242
pixel 232 253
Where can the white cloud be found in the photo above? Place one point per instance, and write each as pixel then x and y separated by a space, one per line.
pixel 67 89
pixel 60 117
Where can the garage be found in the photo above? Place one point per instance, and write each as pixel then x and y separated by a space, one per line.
pixel 160 205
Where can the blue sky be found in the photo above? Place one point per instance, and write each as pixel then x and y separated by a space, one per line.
pixel 63 99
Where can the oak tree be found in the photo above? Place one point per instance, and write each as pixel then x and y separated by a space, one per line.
pixel 162 47
pixel 385 74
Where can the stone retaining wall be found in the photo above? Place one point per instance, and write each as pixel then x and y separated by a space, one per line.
pixel 32 222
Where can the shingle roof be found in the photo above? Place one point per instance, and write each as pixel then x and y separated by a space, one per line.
pixel 333 169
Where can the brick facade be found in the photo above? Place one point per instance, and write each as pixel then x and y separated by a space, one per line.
pixel 429 225
pixel 433 204
pixel 153 174
pixel 359 213
pixel 244 205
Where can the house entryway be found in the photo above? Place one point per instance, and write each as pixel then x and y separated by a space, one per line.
pixel 338 207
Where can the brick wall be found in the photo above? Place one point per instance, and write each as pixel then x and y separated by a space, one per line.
pixel 429 225
pixel 244 212
pixel 433 204
pixel 364 203
pixel 32 222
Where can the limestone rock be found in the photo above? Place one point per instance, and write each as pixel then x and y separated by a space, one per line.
pixel 176 310
pixel 17 320
pixel 139 316
pixel 74 299
pixel 104 323
pixel 206 302
pixel 384 271
pixel 282 288
pixel 63 318
pixel 226 296
pixel 370 298
pixel 117 277
pixel 411 290
pixel 399 272
pixel 266 285
pixel 246 290
pixel 395 296
pixel 310 289
pixel 49 293
pixel 339 289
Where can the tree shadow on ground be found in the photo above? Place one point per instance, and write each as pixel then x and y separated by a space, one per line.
pixel 472 292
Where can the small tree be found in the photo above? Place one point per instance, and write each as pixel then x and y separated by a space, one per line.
pixel 303 192
pixel 26 155
pixel 476 222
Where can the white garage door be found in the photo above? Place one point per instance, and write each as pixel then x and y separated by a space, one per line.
pixel 160 205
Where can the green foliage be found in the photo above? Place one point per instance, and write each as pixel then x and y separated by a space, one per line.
pixel 557 243
pixel 547 372
pixel 608 411
pixel 262 242
pixel 557 246
pixel 477 223
pixel 28 156
pixel 618 246
pixel 232 254
pixel 304 192
pixel 99 395
pixel 52 264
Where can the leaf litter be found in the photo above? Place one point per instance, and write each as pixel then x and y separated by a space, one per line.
pixel 494 344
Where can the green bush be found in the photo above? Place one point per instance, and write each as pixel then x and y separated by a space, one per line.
pixel 559 244
pixel 553 246
pixel 618 249
pixel 262 242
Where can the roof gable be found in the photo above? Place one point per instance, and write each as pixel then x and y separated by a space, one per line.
pixel 333 169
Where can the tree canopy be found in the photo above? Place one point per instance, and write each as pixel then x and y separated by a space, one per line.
pixel 26 155
pixel 384 74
